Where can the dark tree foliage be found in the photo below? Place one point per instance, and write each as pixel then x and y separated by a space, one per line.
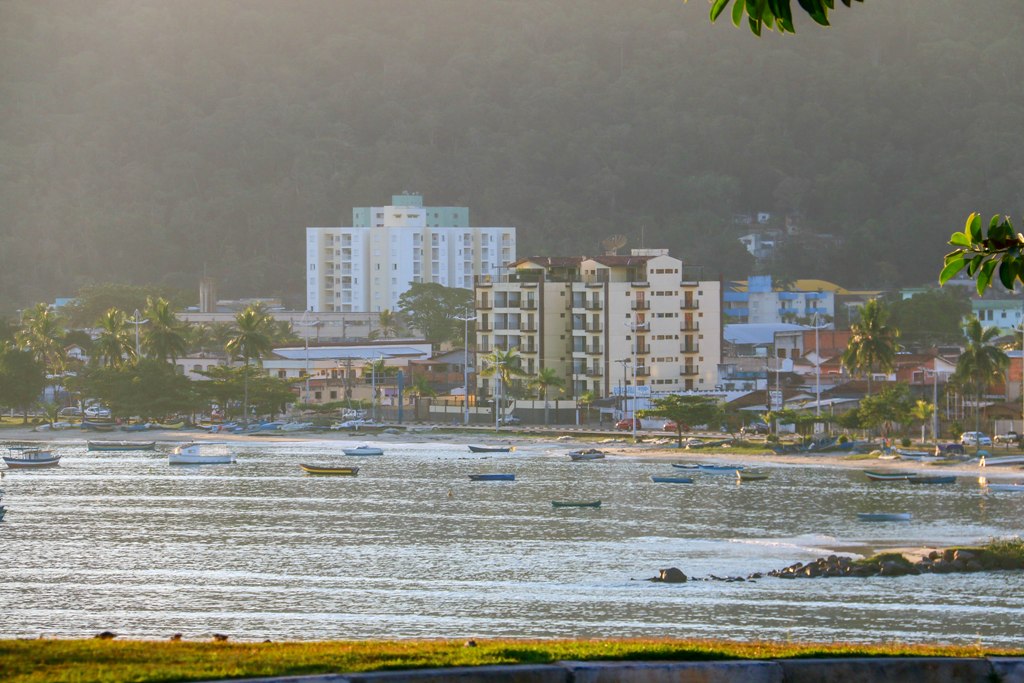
pixel 432 309
pixel 22 379
pixel 150 389
pixel 153 142
pixel 930 318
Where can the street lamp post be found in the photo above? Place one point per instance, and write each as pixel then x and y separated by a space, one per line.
pixel 465 368
pixel 632 327
pixel 136 320
pixel 307 324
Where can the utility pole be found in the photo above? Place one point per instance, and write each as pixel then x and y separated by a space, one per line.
pixel 465 368
pixel 137 321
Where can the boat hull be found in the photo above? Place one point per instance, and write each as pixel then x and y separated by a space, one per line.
pixel 1005 487
pixel 491 449
pixel 31 460
pixel 672 480
pixel 492 477
pixel 573 504
pixel 884 516
pixel 121 445
pixel 935 479
pixel 720 469
pixel 888 476
pixel 187 459
pixel 324 469
pixel 363 450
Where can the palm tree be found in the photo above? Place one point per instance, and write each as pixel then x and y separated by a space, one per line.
pixel 166 336
pixel 42 333
pixel 872 344
pixel 250 342
pixel 544 380
pixel 980 364
pixel 923 411
pixel 115 343
pixel 503 366
pixel 387 325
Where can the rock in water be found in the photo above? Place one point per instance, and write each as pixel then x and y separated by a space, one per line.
pixel 671 575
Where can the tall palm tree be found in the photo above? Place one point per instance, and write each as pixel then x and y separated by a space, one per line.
pixel 166 337
pixel 503 366
pixel 980 364
pixel 387 325
pixel 115 343
pixel 42 333
pixel 872 344
pixel 546 378
pixel 251 340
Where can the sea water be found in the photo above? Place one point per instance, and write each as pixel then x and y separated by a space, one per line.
pixel 411 548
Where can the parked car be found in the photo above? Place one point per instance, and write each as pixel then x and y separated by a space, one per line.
pixel 70 411
pixel 97 411
pixel 510 420
pixel 755 428
pixel 975 439
pixel 1009 437
pixel 627 423
pixel 671 426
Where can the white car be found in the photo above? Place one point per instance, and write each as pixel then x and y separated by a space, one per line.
pixel 97 411
pixel 975 439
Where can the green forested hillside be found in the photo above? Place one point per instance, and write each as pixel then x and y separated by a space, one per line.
pixel 142 141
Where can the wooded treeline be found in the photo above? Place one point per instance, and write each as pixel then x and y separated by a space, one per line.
pixel 142 141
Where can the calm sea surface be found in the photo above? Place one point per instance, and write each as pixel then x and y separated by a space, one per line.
pixel 412 548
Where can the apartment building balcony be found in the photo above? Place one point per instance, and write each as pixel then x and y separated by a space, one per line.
pixel 579 330
pixel 639 283
pixel 484 348
pixel 640 327
pixel 484 327
pixel 528 327
pixel 528 348
pixel 483 281
pixel 529 305
pixel 643 371
pixel 483 306
pixel 594 350
pixel 692 326
pixel 689 371
pixel 593 305
pixel 595 327
pixel 641 350
pixel 689 348
pixel 594 372
pixel 685 305
pixel 640 305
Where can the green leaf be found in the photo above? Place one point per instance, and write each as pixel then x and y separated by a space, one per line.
pixel 973 227
pixel 960 239
pixel 1009 269
pixel 737 12
pixel 985 275
pixel 717 8
pixel 953 266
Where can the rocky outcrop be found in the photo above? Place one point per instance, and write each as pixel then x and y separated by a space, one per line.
pixel 893 564
pixel 670 575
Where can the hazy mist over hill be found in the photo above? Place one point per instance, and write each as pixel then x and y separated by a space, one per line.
pixel 143 141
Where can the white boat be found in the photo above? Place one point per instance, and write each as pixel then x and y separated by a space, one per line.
pixel 364 450
pixel 201 453
pixel 25 457
pixel 586 454
pixel 988 461
pixel 1005 487
pixel 295 426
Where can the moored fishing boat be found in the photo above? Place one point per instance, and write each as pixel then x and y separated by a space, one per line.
pixel 30 456
pixel 884 516
pixel 586 454
pixel 883 475
pixel 330 469
pixel 363 450
pixel 491 449
pixel 492 477
pixel 750 475
pixel 575 504
pixel 671 480
pixel 719 469
pixel 201 453
pixel 121 445
pixel 932 479
pixel 1005 487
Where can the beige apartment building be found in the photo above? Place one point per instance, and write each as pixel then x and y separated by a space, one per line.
pixel 638 324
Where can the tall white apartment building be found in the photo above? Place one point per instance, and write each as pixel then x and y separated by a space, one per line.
pixel 605 322
pixel 365 268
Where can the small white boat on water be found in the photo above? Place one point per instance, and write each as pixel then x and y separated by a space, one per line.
pixel 201 453
pixel 26 457
pixel 1005 487
pixel 989 461
pixel 363 450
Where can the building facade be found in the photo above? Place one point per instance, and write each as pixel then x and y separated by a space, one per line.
pixel 755 301
pixel 366 267
pixel 610 325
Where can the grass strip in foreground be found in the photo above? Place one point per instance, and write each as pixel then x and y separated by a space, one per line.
pixel 113 661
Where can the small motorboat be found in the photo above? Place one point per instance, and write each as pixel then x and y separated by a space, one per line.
pixel 989 461
pixel 491 449
pixel 884 516
pixel 1005 487
pixel 932 479
pixel 719 469
pixel 29 456
pixel 686 466
pixel 205 453
pixel 363 450
pixel 586 454
pixel 492 477
pixel 671 480
pixel 330 469
pixel 575 504
pixel 98 425
pixel 750 475
pixel 893 475
pixel 3 511
pixel 121 445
